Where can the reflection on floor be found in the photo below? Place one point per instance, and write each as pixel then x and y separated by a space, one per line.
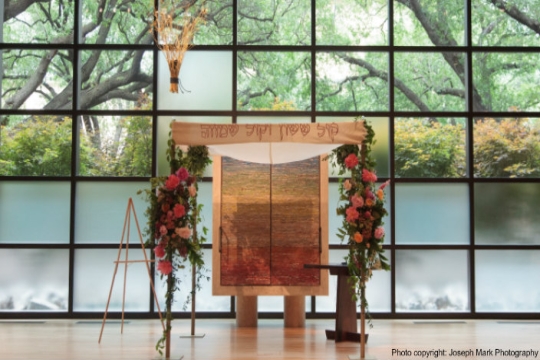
pixel 388 340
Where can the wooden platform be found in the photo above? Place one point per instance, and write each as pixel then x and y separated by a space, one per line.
pixel 59 339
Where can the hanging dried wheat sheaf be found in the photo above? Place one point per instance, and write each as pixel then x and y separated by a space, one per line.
pixel 173 29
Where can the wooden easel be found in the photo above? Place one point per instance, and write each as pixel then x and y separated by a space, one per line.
pixel 127 224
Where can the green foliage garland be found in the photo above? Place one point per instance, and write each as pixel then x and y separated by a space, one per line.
pixel 362 208
pixel 173 215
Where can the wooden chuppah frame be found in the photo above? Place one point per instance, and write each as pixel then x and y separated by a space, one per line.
pixel 215 135
pixel 127 224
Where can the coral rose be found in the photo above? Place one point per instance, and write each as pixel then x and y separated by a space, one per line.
pixel 164 267
pixel 368 176
pixel 351 161
pixel 179 210
pixel 352 214
pixel 172 182
pixel 358 237
pixel 159 251
pixel 347 185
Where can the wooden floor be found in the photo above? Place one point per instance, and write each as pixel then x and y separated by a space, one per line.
pixel 61 339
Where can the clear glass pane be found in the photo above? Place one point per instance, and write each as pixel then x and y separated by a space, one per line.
pixel 517 224
pixel 93 276
pixel 204 300
pixel 100 212
pixel 507 280
pixel 335 221
pixel 112 22
pixel 507 148
pixel 263 22
pixel 377 288
pixel 432 214
pixel 36 79
pixel 43 205
pixel 503 23
pixel 115 145
pixel 429 23
pixel 352 81
pixel 164 128
pixel 264 86
pixel 432 280
pixel 337 22
pixel 116 80
pixel 434 148
pixel 380 151
pixel 430 81
pixel 217 31
pixel 31 22
pixel 35 145
pixel 41 282
pixel 506 81
pixel 205 82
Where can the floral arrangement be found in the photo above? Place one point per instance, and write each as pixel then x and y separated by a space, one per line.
pixel 362 208
pixel 173 215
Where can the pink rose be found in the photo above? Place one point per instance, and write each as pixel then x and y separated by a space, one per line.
pixel 192 190
pixel 352 214
pixel 357 201
pixel 172 182
pixel 351 161
pixel 163 230
pixel 368 176
pixel 179 211
pixel 183 232
pixel 182 174
pixel 347 185
pixel 379 232
pixel 164 267
pixel 159 251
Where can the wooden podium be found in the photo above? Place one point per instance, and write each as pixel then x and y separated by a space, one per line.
pixel 346 320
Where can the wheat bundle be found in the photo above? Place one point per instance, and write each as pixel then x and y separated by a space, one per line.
pixel 173 29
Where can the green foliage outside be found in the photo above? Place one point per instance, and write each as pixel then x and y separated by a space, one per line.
pixel 39 146
pixel 429 149
pixel 507 148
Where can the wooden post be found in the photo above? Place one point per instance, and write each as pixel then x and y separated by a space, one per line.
pixel 362 316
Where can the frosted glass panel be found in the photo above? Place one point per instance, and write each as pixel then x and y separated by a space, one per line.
pixel 381 149
pixel 206 77
pixel 270 304
pixel 34 279
pixel 100 212
pixel 335 221
pixel 507 280
pixel 204 301
pixel 518 224
pixel 34 212
pixel 432 214
pixel 432 280
pixel 164 128
pixel 377 290
pixel 94 269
